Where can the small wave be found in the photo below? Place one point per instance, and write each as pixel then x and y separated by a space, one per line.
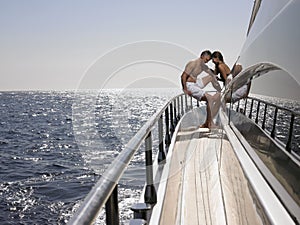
pixel 60 166
pixel 4 142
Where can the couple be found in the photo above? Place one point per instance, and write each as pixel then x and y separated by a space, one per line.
pixel 194 87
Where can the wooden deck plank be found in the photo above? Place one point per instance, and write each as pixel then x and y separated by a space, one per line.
pixel 210 182
pixel 202 204
pixel 189 187
pixel 240 207
pixel 204 164
pixel 173 190
pixel 206 185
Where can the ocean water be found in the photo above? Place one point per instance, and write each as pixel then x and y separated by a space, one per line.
pixel 55 145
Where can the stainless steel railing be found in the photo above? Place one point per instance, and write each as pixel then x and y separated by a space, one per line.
pixel 260 111
pixel 105 190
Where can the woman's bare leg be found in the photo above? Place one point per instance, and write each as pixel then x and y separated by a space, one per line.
pixel 206 80
pixel 213 80
pixel 209 105
pixel 216 104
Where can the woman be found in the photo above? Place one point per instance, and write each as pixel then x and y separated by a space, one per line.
pixel 220 66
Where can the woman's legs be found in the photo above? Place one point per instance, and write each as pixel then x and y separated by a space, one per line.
pixel 216 104
pixel 212 102
pixel 205 80
pixel 212 107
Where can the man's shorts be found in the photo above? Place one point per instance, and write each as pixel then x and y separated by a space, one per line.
pixel 196 89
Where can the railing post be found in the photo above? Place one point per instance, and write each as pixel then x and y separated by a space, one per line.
pixel 191 101
pixel 140 213
pixel 186 104
pixel 245 107
pixel 265 115
pixel 289 142
pixel 230 109
pixel 182 110
pixel 257 112
pixel 178 109
pixel 251 108
pixel 172 127
pixel 175 112
pixel 238 106
pixel 112 209
pixel 161 154
pixel 150 192
pixel 274 123
pixel 167 136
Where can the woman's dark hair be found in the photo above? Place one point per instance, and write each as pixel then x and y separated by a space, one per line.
pixel 218 55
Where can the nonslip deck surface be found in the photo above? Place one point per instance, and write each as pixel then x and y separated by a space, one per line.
pixel 206 184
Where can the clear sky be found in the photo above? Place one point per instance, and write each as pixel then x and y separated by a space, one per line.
pixel 55 44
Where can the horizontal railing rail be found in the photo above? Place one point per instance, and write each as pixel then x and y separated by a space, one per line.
pixel 105 190
pixel 270 112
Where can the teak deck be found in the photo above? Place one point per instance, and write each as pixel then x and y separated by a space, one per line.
pixel 206 184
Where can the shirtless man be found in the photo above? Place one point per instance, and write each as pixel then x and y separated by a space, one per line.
pixel 194 87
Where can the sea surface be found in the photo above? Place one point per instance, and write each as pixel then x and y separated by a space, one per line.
pixel 55 145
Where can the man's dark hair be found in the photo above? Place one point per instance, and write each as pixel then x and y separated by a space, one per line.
pixel 206 52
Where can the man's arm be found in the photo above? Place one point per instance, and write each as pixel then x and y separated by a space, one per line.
pixel 184 78
pixel 210 72
pixel 206 69
pixel 214 81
